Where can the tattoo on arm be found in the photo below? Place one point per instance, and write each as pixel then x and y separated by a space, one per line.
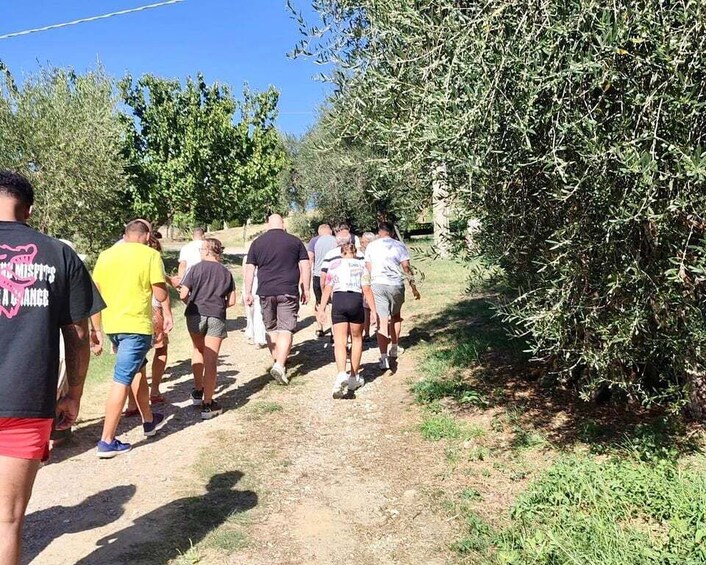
pixel 77 346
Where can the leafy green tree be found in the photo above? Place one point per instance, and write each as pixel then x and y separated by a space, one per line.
pixel 574 131
pixel 190 161
pixel 61 130
pixel 344 180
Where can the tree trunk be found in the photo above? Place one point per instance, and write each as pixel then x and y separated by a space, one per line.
pixel 441 211
pixel 696 386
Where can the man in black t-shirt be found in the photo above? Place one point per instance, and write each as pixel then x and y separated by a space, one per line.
pixel 282 270
pixel 44 288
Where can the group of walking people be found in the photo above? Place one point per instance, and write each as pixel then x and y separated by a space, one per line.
pixel 50 302
pixel 364 283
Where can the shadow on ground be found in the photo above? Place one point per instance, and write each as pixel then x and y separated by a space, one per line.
pixel 175 390
pixel 96 511
pixel 474 365
pixel 171 530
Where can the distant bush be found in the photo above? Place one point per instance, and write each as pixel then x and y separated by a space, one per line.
pixel 303 225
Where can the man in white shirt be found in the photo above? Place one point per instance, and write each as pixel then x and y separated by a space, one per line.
pixel 388 262
pixel 190 254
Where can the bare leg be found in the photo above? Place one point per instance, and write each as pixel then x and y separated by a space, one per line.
pixel 328 317
pixel 113 409
pixel 395 329
pixel 159 363
pixel 283 347
pixel 210 356
pixel 272 344
pixel 356 347
pixel 131 402
pixel 197 360
pixel 319 325
pixel 142 396
pixel 340 345
pixel 16 481
pixel 383 340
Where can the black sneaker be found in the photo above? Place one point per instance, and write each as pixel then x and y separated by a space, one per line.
pixel 197 397
pixel 150 428
pixel 210 410
pixel 319 333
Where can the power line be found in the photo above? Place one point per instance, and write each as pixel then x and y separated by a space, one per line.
pixel 91 19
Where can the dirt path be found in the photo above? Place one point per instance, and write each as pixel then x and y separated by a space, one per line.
pixel 285 476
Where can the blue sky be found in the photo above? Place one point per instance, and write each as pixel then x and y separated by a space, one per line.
pixel 231 41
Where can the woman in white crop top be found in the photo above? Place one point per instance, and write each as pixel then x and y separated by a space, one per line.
pixel 347 280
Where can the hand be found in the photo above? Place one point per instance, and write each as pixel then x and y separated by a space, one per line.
pixel 67 412
pixel 249 299
pixel 168 324
pixel 373 318
pixel 96 339
pixel 321 316
pixel 416 294
pixel 305 296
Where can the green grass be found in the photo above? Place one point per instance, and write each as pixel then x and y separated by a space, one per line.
pixel 261 407
pixel 609 512
pixel 438 426
pixel 631 495
pixel 233 237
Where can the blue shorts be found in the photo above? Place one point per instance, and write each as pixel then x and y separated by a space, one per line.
pixel 132 352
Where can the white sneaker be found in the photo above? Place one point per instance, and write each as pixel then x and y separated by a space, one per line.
pixel 339 386
pixel 384 362
pixel 355 382
pixel 278 373
pixel 396 351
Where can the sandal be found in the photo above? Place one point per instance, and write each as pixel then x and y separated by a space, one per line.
pixel 156 399
pixel 130 413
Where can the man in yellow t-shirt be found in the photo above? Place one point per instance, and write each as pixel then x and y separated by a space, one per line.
pixel 128 275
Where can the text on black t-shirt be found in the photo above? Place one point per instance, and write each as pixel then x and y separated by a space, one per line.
pixel 44 285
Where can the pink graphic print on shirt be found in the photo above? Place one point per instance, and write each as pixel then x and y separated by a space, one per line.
pixel 13 280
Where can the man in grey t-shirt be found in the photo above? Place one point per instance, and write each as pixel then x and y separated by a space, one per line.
pixel 324 243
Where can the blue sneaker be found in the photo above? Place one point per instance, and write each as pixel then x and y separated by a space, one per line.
pixel 150 428
pixel 109 450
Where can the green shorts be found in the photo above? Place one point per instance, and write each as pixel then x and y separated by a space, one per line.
pixel 206 325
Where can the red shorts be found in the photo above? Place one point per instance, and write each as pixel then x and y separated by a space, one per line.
pixel 25 438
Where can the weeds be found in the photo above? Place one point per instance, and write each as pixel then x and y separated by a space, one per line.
pixel 260 408
pixel 440 426
pixel 430 390
pixel 631 498
pixel 611 512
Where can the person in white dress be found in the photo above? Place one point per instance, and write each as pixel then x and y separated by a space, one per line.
pixel 255 331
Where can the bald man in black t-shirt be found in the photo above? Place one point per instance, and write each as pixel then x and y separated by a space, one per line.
pixel 283 275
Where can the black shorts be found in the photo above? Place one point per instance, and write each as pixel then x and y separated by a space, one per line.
pixel 317 289
pixel 347 307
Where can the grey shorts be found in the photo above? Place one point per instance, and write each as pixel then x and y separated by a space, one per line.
pixel 279 313
pixel 206 325
pixel 388 299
